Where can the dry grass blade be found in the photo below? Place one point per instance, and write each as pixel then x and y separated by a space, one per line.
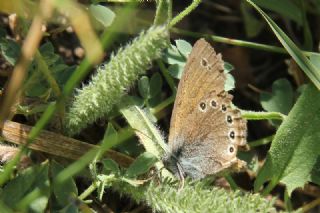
pixel 55 144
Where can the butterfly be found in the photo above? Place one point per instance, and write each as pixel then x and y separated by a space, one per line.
pixel 205 131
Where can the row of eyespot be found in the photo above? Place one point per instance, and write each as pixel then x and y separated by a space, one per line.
pixel 202 106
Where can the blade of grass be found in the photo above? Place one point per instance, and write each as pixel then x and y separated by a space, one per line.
pixel 303 62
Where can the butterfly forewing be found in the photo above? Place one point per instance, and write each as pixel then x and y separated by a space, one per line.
pixel 195 79
pixel 204 131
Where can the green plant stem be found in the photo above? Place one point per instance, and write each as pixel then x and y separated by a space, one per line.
pixel 89 190
pixel 169 10
pixel 236 42
pixel 159 10
pixel 163 12
pixel 269 188
pixel 232 183
pixel 167 76
pixel 43 67
pixel 262 141
pixel 308 41
pixel 163 105
pixel 250 115
pixel 184 13
pixel 287 201
pixel 25 201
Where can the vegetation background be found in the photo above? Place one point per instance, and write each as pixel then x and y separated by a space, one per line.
pixel 87 95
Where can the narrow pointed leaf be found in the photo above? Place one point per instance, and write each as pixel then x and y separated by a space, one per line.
pixel 304 63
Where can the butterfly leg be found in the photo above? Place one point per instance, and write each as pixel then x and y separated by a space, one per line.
pixel 181 176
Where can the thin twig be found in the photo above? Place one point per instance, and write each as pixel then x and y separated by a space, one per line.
pixel 237 42
pixel 311 205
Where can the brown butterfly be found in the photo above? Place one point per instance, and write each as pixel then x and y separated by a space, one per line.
pixel 205 132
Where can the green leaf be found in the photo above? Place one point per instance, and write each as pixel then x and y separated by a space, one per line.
pixel 177 59
pixel 141 165
pixel 148 134
pixel 176 70
pixel 281 98
pixel 251 159
pixel 286 8
pixel 151 117
pixel 144 87
pixel 137 100
pixel 36 84
pixel 10 50
pixel 64 192
pixel 155 84
pixel 228 67
pixel 102 16
pixel 140 122
pixel 230 82
pixel 155 100
pixel 110 165
pixel 72 207
pixel 295 148
pixel 34 178
pixel 38 90
pixel 184 47
pixel 315 60
pixel 315 175
pixel 173 56
pixel 304 63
